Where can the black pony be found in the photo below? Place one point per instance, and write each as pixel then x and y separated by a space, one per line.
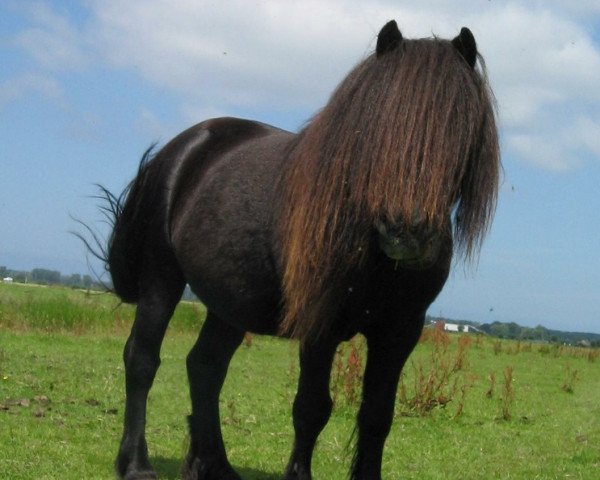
pixel 345 227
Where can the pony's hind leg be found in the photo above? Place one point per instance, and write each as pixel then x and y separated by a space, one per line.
pixel 207 365
pixel 312 406
pixel 142 358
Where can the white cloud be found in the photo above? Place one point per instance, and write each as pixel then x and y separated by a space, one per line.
pixel 150 124
pixel 21 86
pixel 581 8
pixel 236 53
pixel 538 150
pixel 51 39
pixel 285 55
pixel 557 147
pixel 585 133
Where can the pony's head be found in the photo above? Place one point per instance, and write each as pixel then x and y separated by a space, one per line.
pixel 407 151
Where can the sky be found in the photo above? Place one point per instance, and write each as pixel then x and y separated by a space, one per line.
pixel 87 86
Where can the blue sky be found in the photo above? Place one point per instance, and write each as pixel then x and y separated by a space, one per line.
pixel 86 86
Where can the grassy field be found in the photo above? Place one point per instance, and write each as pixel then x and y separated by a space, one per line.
pixel 468 407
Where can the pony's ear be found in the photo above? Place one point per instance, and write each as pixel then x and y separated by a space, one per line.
pixel 389 38
pixel 465 44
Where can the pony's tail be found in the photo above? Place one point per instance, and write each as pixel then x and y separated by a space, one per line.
pixel 129 216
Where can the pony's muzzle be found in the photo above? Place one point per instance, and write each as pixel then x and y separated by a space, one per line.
pixel 410 246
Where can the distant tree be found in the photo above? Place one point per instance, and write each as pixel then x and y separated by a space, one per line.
pixel 527 333
pixel 41 275
pixel 21 277
pixel 541 333
pixel 4 272
pixel 500 330
pixel 514 330
pixel 73 280
pixel 87 281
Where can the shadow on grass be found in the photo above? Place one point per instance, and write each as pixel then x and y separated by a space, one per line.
pixel 251 474
pixel 170 469
pixel 167 468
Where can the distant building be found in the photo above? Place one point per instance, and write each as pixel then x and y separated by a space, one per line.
pixel 454 327
pixel 7 279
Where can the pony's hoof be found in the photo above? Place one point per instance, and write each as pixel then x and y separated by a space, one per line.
pixel 132 473
pixel 133 463
pixel 198 469
pixel 145 475
pixel 296 472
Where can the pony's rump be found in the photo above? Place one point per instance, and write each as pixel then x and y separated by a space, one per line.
pixel 141 214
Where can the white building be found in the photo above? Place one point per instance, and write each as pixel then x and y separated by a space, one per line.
pixel 7 280
pixel 454 327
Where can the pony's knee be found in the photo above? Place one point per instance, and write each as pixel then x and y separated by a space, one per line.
pixel 374 423
pixel 312 412
pixel 204 369
pixel 197 361
pixel 140 364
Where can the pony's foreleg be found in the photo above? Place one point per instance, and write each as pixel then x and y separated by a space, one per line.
pixel 142 359
pixel 386 357
pixel 312 406
pixel 207 365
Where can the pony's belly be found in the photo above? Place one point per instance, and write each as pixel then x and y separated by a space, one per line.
pixel 251 306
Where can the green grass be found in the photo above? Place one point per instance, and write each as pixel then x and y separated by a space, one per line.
pixel 63 309
pixel 61 402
